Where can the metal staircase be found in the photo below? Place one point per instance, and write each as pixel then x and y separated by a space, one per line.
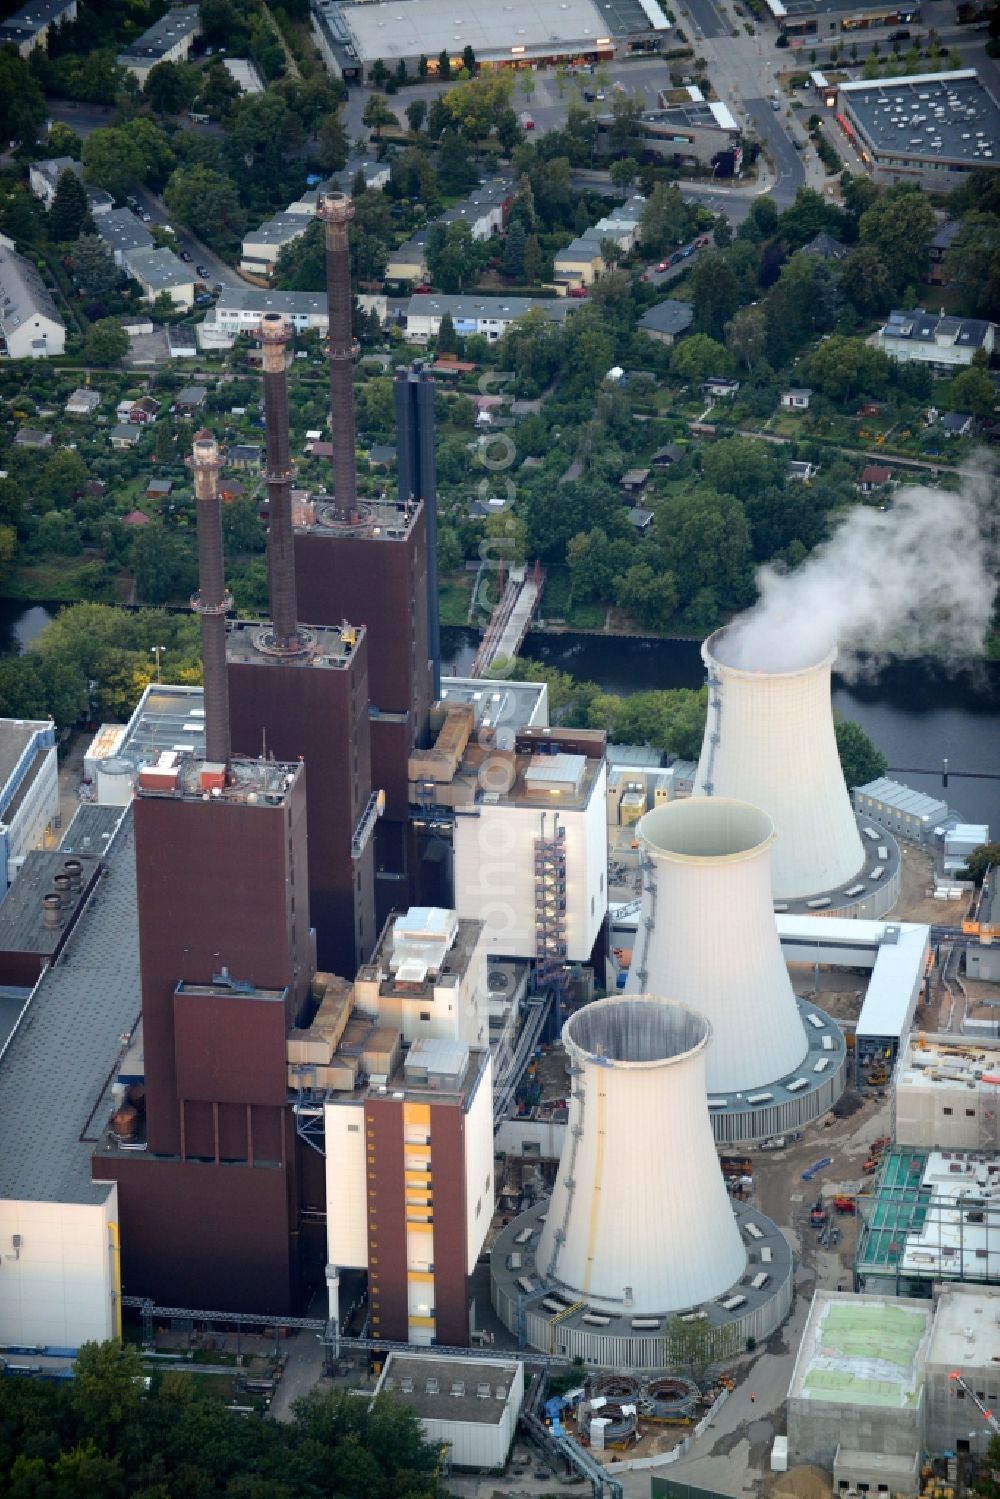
pixel 550 907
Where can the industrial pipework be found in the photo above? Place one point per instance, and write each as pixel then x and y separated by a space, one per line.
pixel 628 1231
pixel 707 934
pixel 769 741
pixel 212 601
pixel 337 210
pixel 274 332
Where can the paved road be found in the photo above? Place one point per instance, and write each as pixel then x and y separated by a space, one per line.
pixel 199 252
pixel 789 170
pixel 709 19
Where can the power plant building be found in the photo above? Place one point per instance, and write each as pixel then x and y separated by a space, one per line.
pixel 629 1240
pixel 947 1093
pixel 772 1066
pixel 769 741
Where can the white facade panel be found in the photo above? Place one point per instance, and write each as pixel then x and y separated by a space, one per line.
pixel 769 741
pixel 346 1190
pixel 479 1183
pixel 628 1226
pixel 59 1272
pixel 707 936
pixel 35 816
pixel 495 880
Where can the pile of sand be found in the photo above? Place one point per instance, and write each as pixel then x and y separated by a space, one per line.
pixel 806 1482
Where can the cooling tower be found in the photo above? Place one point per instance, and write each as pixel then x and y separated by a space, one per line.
pixel 769 741
pixel 640 1219
pixel 707 935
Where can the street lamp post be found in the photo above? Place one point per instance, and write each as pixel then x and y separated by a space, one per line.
pixel 157 651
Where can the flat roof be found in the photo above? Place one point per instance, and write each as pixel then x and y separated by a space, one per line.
pixel 480 308
pixel 964 1335
pixel 948 116
pixel 121 229
pixel 178 23
pixel 327 646
pixel 160 268
pixel 165 717
pixel 934 1216
pixel 261 299
pixel 15 736
pixel 948 1063
pixel 56 1070
pixel 447 1389
pixel 391 29
pixel 862 1350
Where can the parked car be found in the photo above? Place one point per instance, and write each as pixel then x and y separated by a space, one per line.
pixel 186 255
pixel 203 271
pixel 663 265
pixel 577 291
pixel 701 242
pixel 899 36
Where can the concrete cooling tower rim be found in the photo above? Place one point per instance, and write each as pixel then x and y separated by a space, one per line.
pixel 636 1032
pixel 713 654
pixel 552 1318
pixel 706 831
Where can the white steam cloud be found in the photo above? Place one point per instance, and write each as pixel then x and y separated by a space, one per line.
pixel 916 579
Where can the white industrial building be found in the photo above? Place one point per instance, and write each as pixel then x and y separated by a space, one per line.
pixel 536 816
pixel 29 791
pixel 948 1094
pixel 30 325
pixel 965 1338
pixel 469 1407
pixel 890 804
pixel 168 40
pixel 706 861
pixel 982 961
pixel 427 978
pixel 769 741
pixel 632 1237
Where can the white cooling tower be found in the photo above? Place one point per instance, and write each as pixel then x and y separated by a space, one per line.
pixel 707 935
pixel 769 741
pixel 639 1220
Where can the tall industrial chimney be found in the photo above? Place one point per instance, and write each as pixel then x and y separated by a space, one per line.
pixel 212 601
pixel 769 741
pixel 707 934
pixel 639 1222
pixel 274 333
pixel 337 210
pixel 414 396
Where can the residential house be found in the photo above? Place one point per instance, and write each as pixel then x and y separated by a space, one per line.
pixel 802 471
pixel 168 40
pixel 83 402
pixel 485 212
pixel 162 271
pixel 825 247
pixel 123 232
pixel 669 454
pixel 263 245
pixel 30 325
pixel 230 489
pixel 31 437
pixel 125 435
pixel 144 410
pixel 381 455
pixel 957 423
pixel 667 321
pixel 239 309
pixel 190 398
pixel 796 400
pixel 181 341
pixel 158 489
pixel 28 27
pixel 43 179
pixel 634 480
pixel 720 389
pixel 641 519
pixel 874 476
pixel 475 313
pixel 244 455
pixel 942 341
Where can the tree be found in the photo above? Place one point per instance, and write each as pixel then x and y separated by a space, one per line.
pixel 69 207
pixel 649 593
pixel 697 357
pixel 741 467
pixel 664 219
pixel 986 856
pixel 209 202
pixel 746 336
pixel 62 140
pixel 900 225
pixel 715 293
pixel 513 250
pixel 453 256
pixel 219 92
pixel 705 541
pixel 62 478
pixel 447 339
pixel 532 274
pixel 624 172
pixel 105 342
pixel 860 761
pixel 171 87
pixel 113 159
pixel 444 64
pixel 843 367
pixel 469 59
pixel 973 391
pixel 108 1386
pixel 377 114
pixel 626 114
pixel 333 145
pixel 416 114
pixel 973 262
pixel 22 102
pixel 864 277
pixel 691 1349
pixel 163 566
pixel 94 265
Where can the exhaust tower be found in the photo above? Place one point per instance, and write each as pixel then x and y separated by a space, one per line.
pixel 769 741
pixel 275 333
pixel 212 602
pixel 707 934
pixel 337 210
pixel 639 1227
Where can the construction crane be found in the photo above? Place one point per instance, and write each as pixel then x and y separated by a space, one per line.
pixel 986 1413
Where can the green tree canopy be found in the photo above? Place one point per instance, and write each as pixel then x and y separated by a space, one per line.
pixel 860 760
pixel 22 102
pixel 900 225
pixel 981 859
pixel 69 207
pixel 208 202
pixel 105 343
pixel 95 266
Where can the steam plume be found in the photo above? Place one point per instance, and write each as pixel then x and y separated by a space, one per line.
pixel 917 579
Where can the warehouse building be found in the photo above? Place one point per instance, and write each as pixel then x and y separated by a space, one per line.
pixel 890 804
pixel 932 129
pixel 29 791
pixel 467 1407
pixel 352 38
